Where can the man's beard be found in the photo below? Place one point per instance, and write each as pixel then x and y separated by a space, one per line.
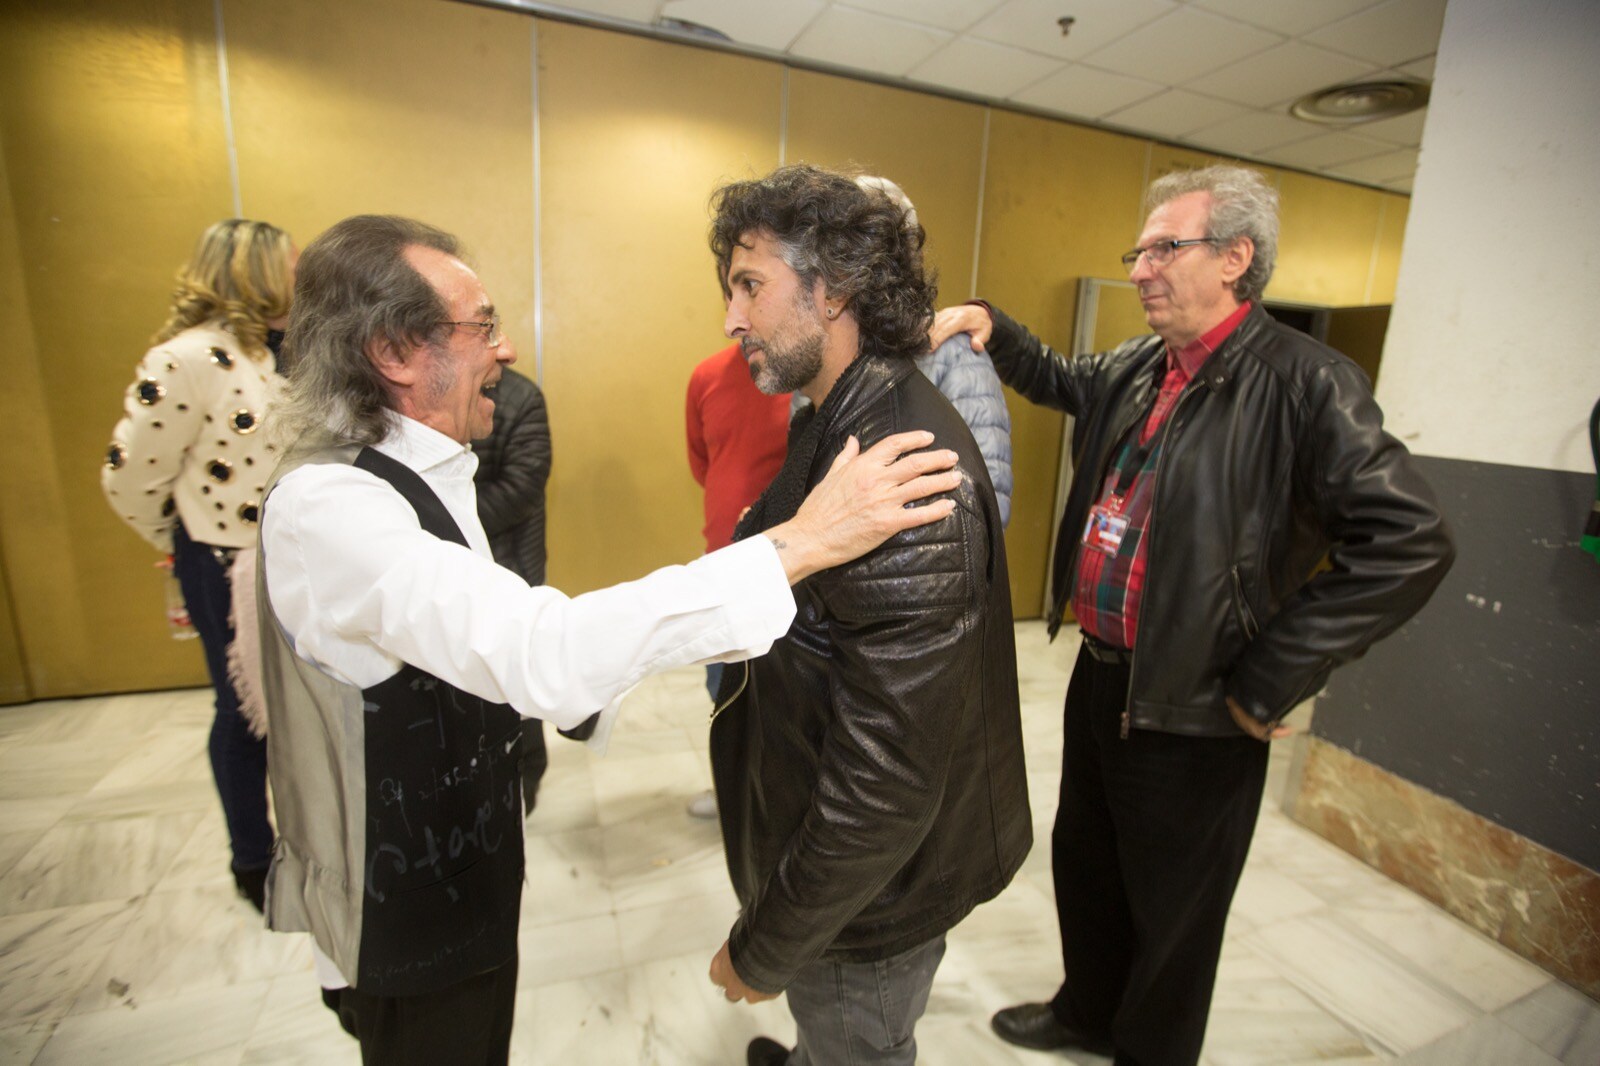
pixel 791 359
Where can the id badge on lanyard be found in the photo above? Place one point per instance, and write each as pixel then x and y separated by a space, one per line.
pixel 1106 527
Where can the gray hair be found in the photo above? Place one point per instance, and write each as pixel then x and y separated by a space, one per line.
pixel 1242 205
pixel 354 288
pixel 896 195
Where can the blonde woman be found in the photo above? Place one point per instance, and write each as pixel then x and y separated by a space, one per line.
pixel 186 467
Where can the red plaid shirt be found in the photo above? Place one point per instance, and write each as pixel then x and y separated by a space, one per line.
pixel 1109 588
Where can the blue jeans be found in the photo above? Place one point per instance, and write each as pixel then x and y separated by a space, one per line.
pixel 238 760
pixel 861 1013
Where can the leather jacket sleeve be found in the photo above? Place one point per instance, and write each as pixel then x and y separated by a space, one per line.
pixel 1040 373
pixel 898 671
pixel 1390 547
pixel 516 489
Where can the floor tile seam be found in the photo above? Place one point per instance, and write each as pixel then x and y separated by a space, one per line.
pixel 62 1004
pixel 240 1045
pixel 5 870
pixel 1415 968
pixel 1305 981
pixel 84 809
pixel 1572 1028
pixel 1240 943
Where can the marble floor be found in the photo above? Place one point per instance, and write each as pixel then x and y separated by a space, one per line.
pixel 121 940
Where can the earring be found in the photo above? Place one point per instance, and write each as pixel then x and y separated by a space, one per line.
pixel 831 312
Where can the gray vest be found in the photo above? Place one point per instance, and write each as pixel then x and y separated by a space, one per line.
pixel 398 806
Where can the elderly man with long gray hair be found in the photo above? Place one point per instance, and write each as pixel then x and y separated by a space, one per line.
pixel 398 658
pixel 1217 463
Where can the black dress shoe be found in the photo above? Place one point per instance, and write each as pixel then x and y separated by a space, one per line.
pixel 765 1051
pixel 1034 1025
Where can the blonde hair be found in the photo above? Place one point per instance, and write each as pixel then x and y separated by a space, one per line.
pixel 240 273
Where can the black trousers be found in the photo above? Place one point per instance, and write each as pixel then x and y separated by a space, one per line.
pixel 467 1024
pixel 1151 835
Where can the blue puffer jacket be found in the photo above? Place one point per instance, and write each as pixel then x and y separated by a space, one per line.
pixel 968 380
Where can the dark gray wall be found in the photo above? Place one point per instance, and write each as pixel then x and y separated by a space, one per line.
pixel 1491 695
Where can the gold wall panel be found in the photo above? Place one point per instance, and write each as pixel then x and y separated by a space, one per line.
pixel 635 136
pixel 113 136
pixel 409 107
pixel 932 147
pixel 114 156
pixel 1391 236
pixel 1327 237
pixel 21 482
pixel 1118 316
pixel 1060 202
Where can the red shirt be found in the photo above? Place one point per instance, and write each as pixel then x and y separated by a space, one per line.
pixel 1108 589
pixel 737 438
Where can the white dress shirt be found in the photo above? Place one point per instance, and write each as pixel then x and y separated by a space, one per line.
pixel 361 589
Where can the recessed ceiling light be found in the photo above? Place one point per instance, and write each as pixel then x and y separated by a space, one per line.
pixel 1345 105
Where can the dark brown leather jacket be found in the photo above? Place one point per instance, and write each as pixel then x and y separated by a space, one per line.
pixel 1276 456
pixel 869 768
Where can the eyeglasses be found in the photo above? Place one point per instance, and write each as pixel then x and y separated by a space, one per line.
pixel 1160 253
pixel 491 329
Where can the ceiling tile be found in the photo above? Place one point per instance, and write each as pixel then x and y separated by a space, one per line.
pixel 1387 167
pixel 1251 133
pixel 1174 113
pixel 1293 17
pixel 1422 68
pixel 1084 91
pixel 1326 150
pixel 944 14
pixel 863 41
pixel 1031 24
pixel 1279 75
pixel 1182 45
pixel 982 68
pixel 1395 32
pixel 770 24
pixel 633 10
pixel 1405 130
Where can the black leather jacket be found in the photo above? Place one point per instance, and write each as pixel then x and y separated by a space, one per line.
pixel 513 466
pixel 1276 456
pixel 869 768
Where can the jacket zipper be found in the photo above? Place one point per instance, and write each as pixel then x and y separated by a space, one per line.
pixel 1150 530
pixel 745 680
pixel 1247 617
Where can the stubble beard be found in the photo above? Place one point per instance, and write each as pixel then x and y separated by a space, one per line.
pixel 791 360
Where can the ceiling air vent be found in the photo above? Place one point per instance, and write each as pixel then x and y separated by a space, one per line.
pixel 1345 105
pixel 691 29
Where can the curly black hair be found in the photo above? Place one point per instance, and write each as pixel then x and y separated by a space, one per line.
pixel 857 241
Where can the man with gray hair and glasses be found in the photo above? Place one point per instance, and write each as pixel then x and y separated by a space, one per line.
pixel 398 658
pixel 1216 464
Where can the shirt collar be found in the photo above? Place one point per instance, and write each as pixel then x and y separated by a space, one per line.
pixel 423 448
pixel 1192 356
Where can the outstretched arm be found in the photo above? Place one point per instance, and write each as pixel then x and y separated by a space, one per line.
pixel 863 502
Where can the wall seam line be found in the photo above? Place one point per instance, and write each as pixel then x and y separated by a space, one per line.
pixel 983 175
pixel 1377 245
pixel 538 216
pixel 783 118
pixel 225 88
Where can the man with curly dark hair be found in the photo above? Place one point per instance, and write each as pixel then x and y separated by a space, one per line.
pixel 869 769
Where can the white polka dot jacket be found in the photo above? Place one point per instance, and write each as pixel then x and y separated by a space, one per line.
pixel 190 444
